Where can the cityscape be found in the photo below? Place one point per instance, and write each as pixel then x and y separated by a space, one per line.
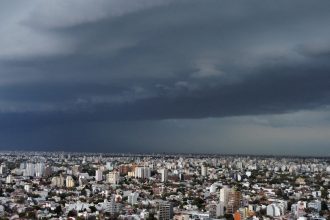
pixel 60 185
pixel 164 110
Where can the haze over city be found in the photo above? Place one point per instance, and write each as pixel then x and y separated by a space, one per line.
pixel 225 77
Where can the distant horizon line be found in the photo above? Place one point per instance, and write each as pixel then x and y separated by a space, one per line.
pixel 193 154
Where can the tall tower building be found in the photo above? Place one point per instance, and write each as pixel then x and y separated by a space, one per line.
pixel 57 181
pixel 165 211
pixel 9 179
pixel 132 198
pixel 204 170
pixel 69 182
pixel 224 191
pixel 98 175
pixel 142 172
pixel 147 172
pixel 139 172
pixel 30 169
pixel 164 175
pixel 113 177
pixel 234 201
pixel 39 169
pixel 3 168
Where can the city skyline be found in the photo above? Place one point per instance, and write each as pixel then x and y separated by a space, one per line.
pixel 38 185
pixel 178 76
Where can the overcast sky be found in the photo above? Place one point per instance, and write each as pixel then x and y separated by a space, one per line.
pixel 207 76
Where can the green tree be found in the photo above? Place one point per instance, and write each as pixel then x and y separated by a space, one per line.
pixel 324 206
pixel 151 217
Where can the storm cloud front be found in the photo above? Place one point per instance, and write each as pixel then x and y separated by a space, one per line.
pixel 208 76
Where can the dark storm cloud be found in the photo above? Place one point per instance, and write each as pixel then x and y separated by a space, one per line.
pixel 162 46
pixel 115 61
pixel 278 90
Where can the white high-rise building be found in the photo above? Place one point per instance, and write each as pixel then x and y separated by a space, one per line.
pixel 39 169
pixel 69 182
pixel 273 210
pixel 9 179
pixel 204 170
pixel 139 172
pixel 98 175
pixel 3 168
pixel 142 172
pixel 239 165
pixel 164 175
pixel 57 181
pixel 113 177
pixel 132 198
pixel 224 194
pixel 29 170
pixel 147 172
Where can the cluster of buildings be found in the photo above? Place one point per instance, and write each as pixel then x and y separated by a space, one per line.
pixel 57 185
